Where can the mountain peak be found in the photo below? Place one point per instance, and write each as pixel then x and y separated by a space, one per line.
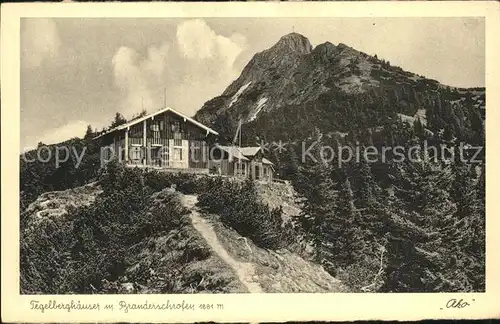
pixel 326 46
pixel 325 50
pixel 293 35
pixel 281 58
pixel 294 42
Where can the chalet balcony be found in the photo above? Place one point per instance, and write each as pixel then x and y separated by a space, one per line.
pixel 169 166
pixel 155 141
pixel 136 141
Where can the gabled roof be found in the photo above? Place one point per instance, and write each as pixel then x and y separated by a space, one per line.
pixel 266 161
pixel 249 151
pixel 161 111
pixel 243 152
pixel 233 151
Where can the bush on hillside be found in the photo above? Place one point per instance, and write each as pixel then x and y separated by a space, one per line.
pixel 41 175
pixel 79 252
pixel 240 208
pixel 219 193
pixel 184 182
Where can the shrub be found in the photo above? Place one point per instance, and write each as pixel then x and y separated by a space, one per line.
pixel 364 276
pixel 239 208
pixel 44 260
pixel 92 245
pixel 184 182
pixel 218 194
pixel 158 181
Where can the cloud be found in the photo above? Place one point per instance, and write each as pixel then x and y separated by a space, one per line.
pixel 195 65
pixel 155 63
pixel 197 41
pixel 209 63
pixel 60 134
pixel 39 41
pixel 136 77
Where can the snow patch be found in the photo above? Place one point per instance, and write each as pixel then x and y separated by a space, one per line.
pixel 351 84
pixel 260 104
pixel 406 118
pixel 238 93
pixel 420 114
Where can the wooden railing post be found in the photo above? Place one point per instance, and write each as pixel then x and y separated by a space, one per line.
pixel 126 145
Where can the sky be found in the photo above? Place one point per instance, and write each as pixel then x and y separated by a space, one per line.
pixel 76 72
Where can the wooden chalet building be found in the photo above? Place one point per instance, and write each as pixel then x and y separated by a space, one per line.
pixel 241 162
pixel 165 139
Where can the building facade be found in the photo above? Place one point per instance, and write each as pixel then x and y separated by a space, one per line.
pixel 165 139
pixel 241 162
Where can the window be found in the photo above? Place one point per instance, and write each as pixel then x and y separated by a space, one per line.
pixel 177 154
pixel 196 151
pixel 177 139
pixel 135 153
pixel 155 127
pixel 240 168
pixel 176 127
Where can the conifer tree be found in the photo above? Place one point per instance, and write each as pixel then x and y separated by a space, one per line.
pixel 480 244
pixel 322 213
pixel 367 187
pixel 345 235
pixel 423 232
pixel 418 128
pixel 119 120
pixel 465 196
pixel 368 201
pixel 89 133
pixel 469 250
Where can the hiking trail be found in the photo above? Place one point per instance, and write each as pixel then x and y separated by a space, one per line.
pixel 244 271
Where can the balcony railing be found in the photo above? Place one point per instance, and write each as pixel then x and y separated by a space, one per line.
pixel 135 141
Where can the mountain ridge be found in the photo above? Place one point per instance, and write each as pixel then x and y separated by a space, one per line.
pixel 292 73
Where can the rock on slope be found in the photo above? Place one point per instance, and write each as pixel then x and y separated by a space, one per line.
pixel 56 203
pixel 276 194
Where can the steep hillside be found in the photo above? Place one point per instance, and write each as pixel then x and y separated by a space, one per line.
pixel 170 247
pixel 54 169
pixel 262 81
pixel 261 270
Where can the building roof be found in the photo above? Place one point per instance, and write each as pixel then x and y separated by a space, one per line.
pixel 233 151
pixel 138 120
pixel 249 151
pixel 266 161
pixel 243 152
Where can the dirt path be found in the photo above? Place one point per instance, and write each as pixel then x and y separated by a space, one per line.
pixel 245 271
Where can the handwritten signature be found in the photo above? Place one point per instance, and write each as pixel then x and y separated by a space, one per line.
pixel 454 303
